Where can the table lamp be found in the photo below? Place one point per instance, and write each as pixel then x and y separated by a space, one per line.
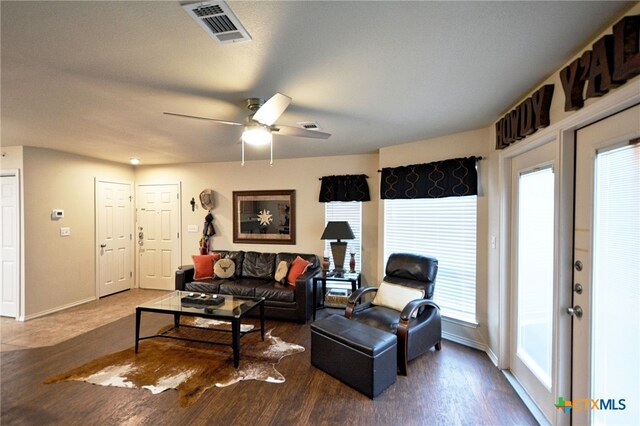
pixel 338 231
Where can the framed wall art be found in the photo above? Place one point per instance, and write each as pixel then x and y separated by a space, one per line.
pixel 267 217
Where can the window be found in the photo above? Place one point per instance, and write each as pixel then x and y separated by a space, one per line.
pixel 444 228
pixel 352 213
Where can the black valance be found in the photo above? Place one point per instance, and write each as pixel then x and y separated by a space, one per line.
pixel 344 188
pixel 448 178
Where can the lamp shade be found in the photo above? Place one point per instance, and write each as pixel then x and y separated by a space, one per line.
pixel 337 231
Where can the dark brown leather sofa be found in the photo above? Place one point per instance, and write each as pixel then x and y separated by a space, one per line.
pixel 254 276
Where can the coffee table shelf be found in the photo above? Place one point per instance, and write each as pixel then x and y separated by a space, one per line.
pixel 234 309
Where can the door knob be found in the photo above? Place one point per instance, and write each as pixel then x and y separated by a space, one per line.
pixel 575 311
pixel 103 245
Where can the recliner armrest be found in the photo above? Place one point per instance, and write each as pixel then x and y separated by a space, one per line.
pixel 357 295
pixel 414 305
pixel 356 299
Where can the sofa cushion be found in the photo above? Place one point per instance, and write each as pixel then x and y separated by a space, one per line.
pixel 282 270
pixel 224 268
pixel 243 288
pixel 274 290
pixel 237 256
pixel 259 265
pixel 298 267
pixel 209 286
pixel 289 258
pixel 203 265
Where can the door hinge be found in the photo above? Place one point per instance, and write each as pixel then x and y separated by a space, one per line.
pixel 178 235
pixel 177 196
pixel 130 236
pixel 130 274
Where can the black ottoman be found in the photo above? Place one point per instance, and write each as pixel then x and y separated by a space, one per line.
pixel 361 356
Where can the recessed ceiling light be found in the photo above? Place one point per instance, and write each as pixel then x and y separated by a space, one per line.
pixel 135 161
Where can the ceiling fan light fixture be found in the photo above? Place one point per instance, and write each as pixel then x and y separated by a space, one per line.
pixel 257 135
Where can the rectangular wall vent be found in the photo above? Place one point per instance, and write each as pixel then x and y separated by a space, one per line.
pixel 309 125
pixel 217 19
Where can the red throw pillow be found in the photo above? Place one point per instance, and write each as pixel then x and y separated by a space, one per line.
pixel 203 265
pixel 297 268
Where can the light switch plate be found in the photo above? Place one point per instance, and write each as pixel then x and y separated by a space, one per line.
pixel 65 232
pixel 192 228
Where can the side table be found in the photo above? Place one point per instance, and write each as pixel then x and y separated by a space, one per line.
pixel 355 278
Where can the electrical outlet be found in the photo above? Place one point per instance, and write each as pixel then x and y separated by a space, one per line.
pixel 192 228
pixel 65 232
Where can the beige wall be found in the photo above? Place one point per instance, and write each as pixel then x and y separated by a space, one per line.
pixel 472 143
pixel 60 271
pixel 11 157
pixel 300 174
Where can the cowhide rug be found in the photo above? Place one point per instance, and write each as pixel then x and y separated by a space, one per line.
pixel 190 368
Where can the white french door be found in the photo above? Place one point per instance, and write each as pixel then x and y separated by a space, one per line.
pixel 114 237
pixel 158 235
pixel 535 350
pixel 606 285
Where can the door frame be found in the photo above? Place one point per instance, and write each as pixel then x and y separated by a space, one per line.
pixel 20 238
pixel 136 265
pixel 96 241
pixel 564 132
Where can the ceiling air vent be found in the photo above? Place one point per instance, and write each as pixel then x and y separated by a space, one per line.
pixel 217 19
pixel 309 125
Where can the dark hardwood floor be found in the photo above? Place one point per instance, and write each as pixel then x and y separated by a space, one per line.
pixel 457 385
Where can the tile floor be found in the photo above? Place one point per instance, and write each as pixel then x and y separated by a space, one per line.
pixel 60 326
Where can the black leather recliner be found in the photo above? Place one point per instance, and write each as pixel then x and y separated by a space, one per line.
pixel 415 335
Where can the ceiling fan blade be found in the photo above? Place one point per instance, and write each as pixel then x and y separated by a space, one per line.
pixel 268 113
pixel 233 123
pixel 295 131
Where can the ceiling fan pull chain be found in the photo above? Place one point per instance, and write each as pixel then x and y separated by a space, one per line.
pixel 242 164
pixel 271 162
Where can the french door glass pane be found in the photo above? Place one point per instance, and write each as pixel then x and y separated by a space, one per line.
pixel 615 369
pixel 535 272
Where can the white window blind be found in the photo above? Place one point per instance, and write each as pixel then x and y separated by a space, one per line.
pixel 444 228
pixel 616 279
pixel 352 213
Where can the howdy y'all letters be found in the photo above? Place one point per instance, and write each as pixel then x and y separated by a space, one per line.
pixel 612 60
pixel 531 115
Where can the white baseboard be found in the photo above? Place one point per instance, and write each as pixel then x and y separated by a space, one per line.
pixel 58 308
pixel 464 341
pixel 492 356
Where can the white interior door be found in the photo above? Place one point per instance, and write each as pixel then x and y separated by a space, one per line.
pixel 535 350
pixel 158 235
pixel 10 239
pixel 606 298
pixel 114 237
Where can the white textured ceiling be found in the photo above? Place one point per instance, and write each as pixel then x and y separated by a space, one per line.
pixel 93 77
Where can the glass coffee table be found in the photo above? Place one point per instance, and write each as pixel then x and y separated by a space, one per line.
pixel 184 303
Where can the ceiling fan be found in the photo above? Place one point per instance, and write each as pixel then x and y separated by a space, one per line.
pixel 260 124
